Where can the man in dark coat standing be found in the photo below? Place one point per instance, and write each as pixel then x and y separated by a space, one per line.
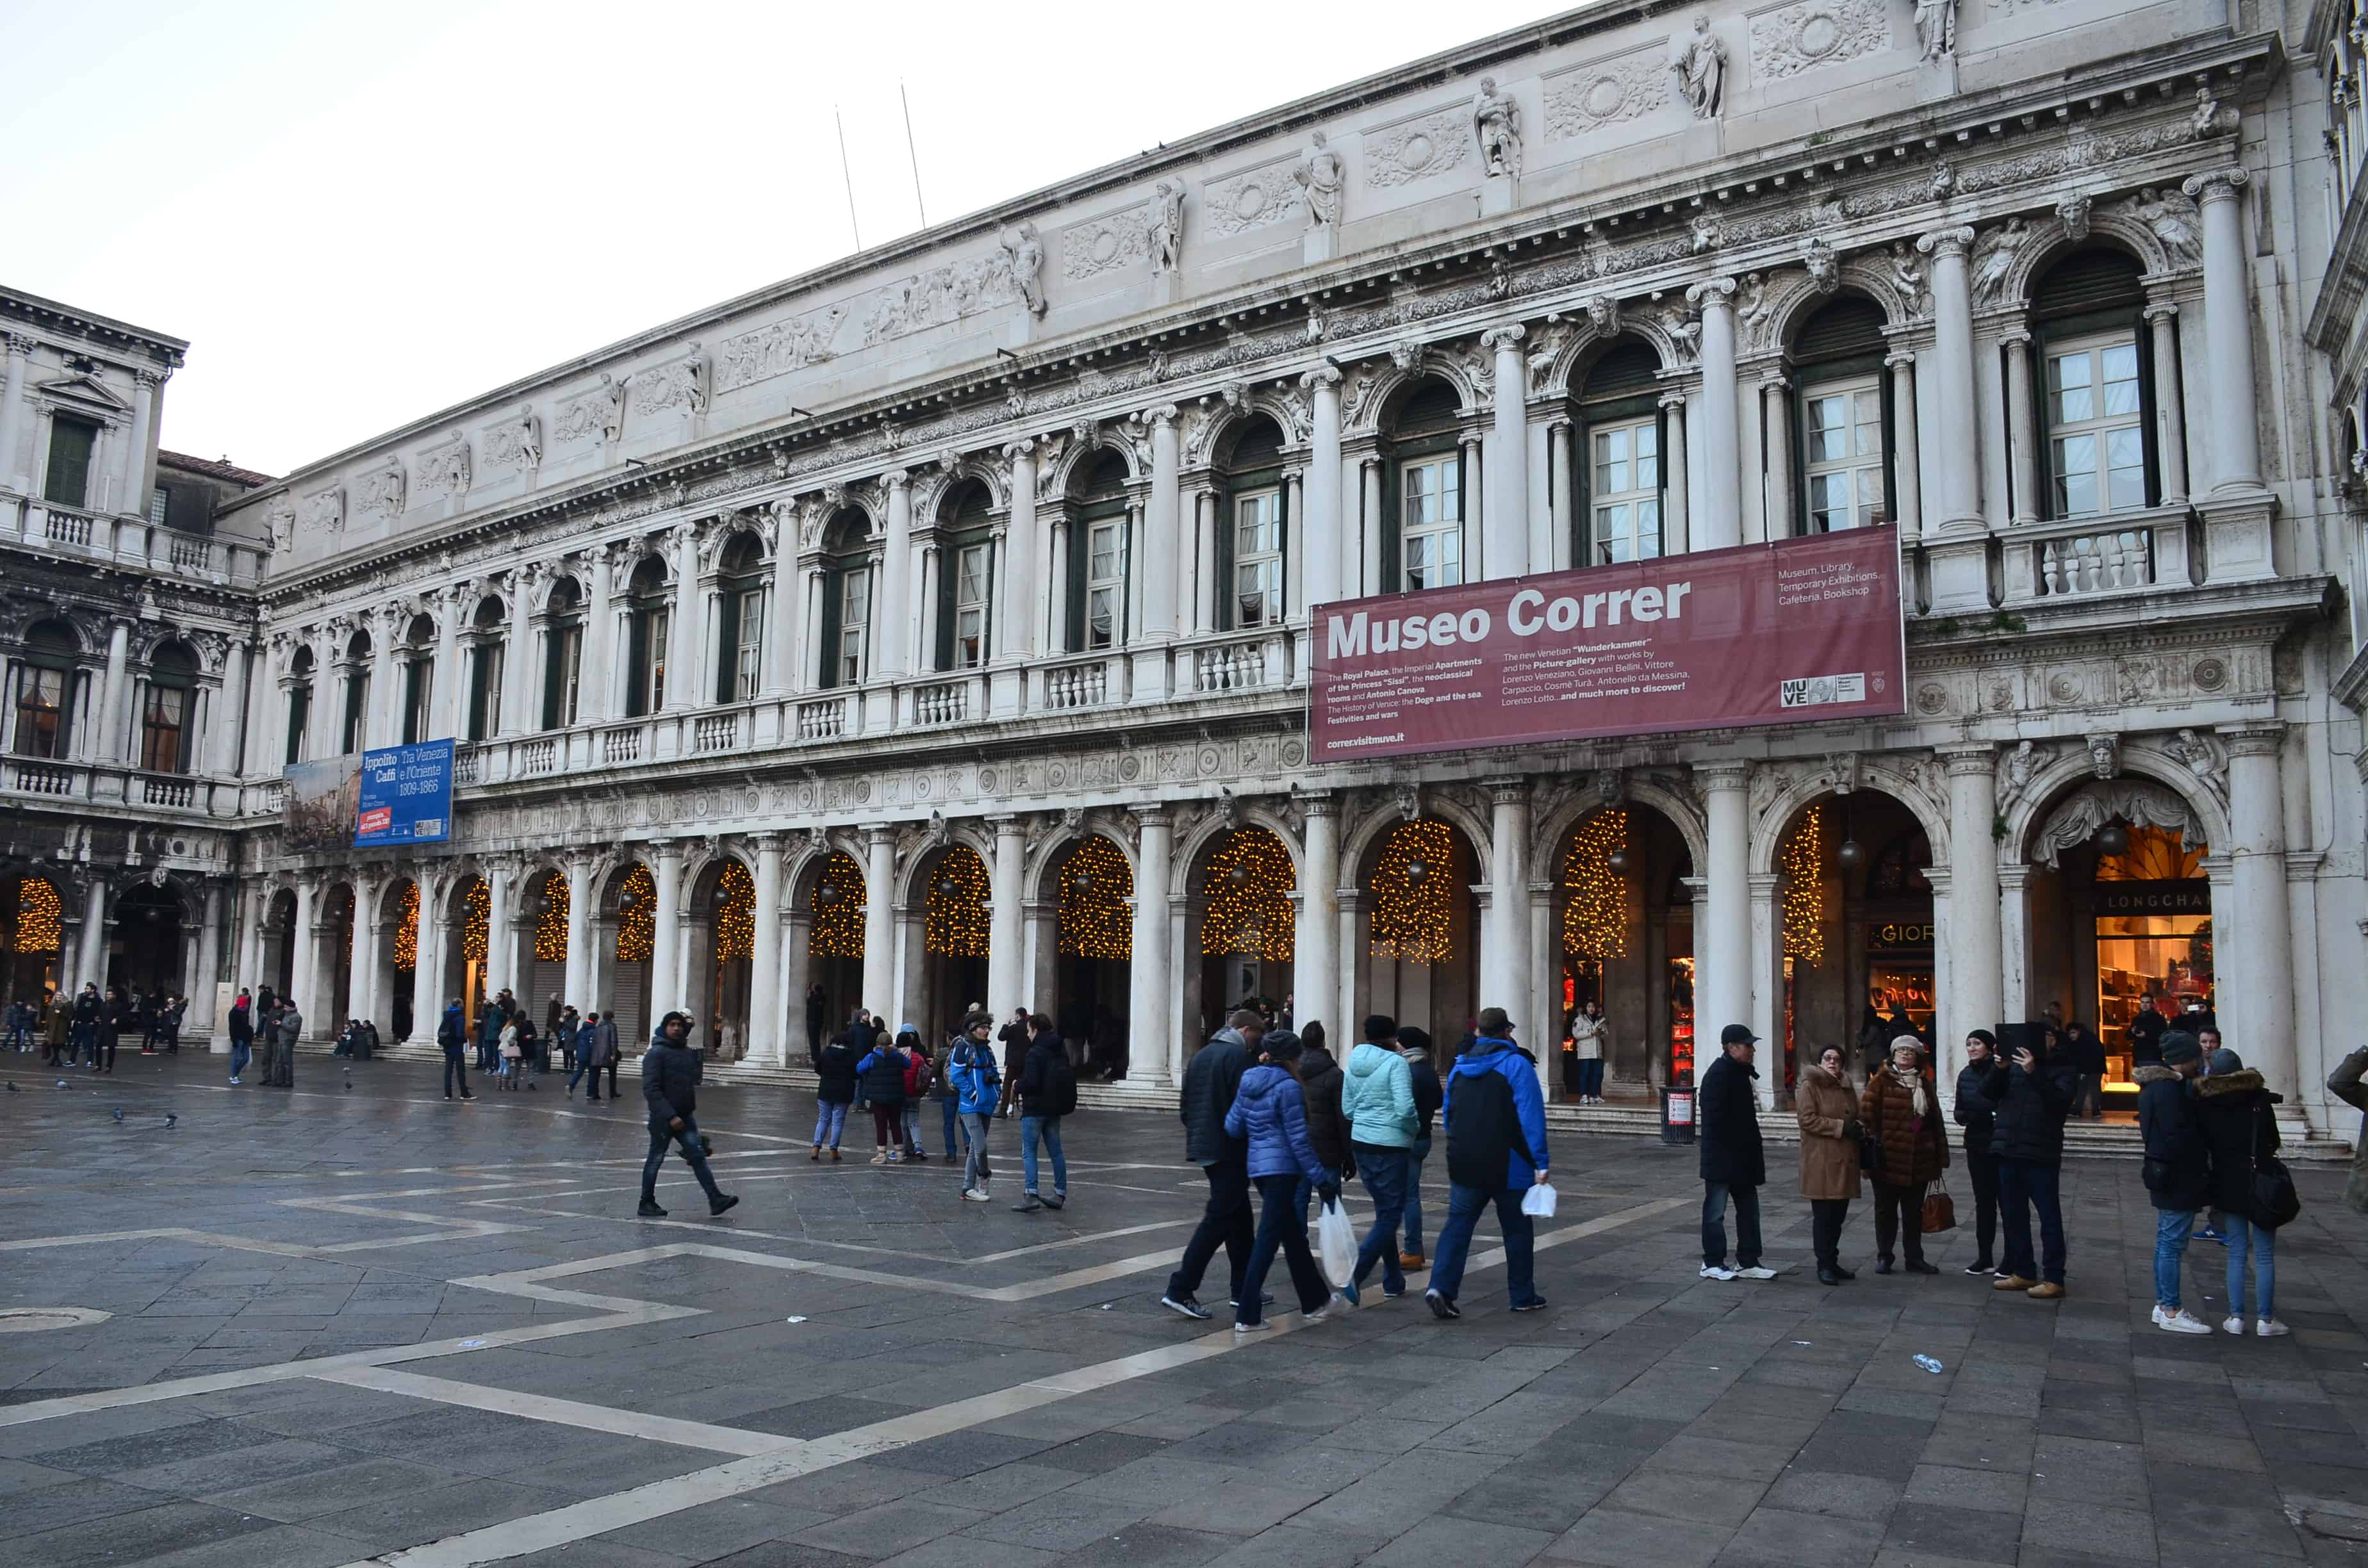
pixel 1207 1097
pixel 1726 1114
pixel 2029 1095
pixel 2177 1173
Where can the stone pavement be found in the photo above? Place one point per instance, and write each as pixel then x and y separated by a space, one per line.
pixel 356 1324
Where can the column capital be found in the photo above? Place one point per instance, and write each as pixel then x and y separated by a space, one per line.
pixel 1315 802
pixel 148 380
pixel 2216 185
pixel 2161 310
pixel 1324 375
pixel 1712 291
pixel 1900 358
pixel 876 833
pixel 1506 789
pixel 2017 336
pixel 20 343
pixel 1723 774
pixel 1025 447
pixel 1972 757
pixel 666 849
pixel 896 478
pixel 764 843
pixel 1670 399
pixel 1504 337
pixel 1150 814
pixel 1773 379
pixel 1946 242
pixel 1160 414
pixel 1007 824
pixel 2259 737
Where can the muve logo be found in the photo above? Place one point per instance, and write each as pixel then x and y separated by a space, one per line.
pixel 1815 691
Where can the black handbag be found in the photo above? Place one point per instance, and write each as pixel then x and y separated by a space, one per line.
pixel 2275 1202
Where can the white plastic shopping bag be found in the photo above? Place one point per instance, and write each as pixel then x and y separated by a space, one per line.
pixel 1335 1244
pixel 1539 1201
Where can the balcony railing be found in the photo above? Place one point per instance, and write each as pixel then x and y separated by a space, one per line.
pixel 42 777
pixel 621 746
pixel 1242 662
pixel 1087 682
pixel 712 733
pixel 467 764
pixel 822 720
pixel 538 756
pixel 2105 557
pixel 177 792
pixel 74 530
pixel 943 702
pixel 67 528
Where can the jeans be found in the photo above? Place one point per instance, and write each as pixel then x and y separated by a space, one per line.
pixel 1464 1205
pixel 1590 1077
pixel 1983 1167
pixel 952 1109
pixel 2262 1243
pixel 1384 1174
pixel 456 1065
pixel 1716 1195
pixel 1827 1216
pixel 1281 1223
pixel 913 1128
pixel 240 1054
pixel 85 1044
pixel 1225 1223
pixel 692 1155
pixel 2021 1185
pixel 974 1168
pixel 1417 1152
pixel 575 1076
pixel 1048 1128
pixel 2171 1229
pixel 1899 1216
pixel 830 1122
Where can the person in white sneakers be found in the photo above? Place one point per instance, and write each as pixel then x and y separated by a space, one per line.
pixel 1732 1167
pixel 977 1079
pixel 2177 1172
pixel 2240 1131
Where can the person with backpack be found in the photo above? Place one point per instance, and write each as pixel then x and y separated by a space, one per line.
pixel 1269 1114
pixel 976 1077
pixel 1495 1117
pixel 881 1074
pixel 1377 1099
pixel 2241 1135
pixel 948 1098
pixel 1048 1091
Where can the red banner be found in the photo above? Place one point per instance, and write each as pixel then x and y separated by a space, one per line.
pixel 1806 630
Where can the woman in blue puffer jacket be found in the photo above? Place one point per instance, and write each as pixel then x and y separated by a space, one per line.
pixel 1270 1114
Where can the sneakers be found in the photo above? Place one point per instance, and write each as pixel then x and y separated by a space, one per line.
pixel 2213 1233
pixel 1983 1266
pixel 717 1205
pixel 1189 1307
pixel 1267 1299
pixel 2049 1291
pixel 1411 1260
pixel 1257 1327
pixel 2270 1328
pixel 2013 1283
pixel 1919 1265
pixel 1441 1307
pixel 1028 1204
pixel 880 1156
pixel 1348 1293
pixel 1755 1272
pixel 1330 1308
pixel 650 1210
pixel 975 1195
pixel 2180 1322
pixel 1058 1200
pixel 1538 1304
pixel 234 1080
pixel 1716 1271
pixel 2232 1325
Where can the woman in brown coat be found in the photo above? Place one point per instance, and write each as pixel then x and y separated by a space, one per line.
pixel 1829 1130
pixel 1904 1120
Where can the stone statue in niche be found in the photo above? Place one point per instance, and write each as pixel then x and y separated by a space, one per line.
pixel 2171 216
pixel 1683 330
pixel 1163 227
pixel 1994 258
pixel 2210 118
pixel 1699 61
pixel 1025 254
pixel 1907 277
pixel 1496 122
pixel 1936 28
pixel 1322 177
pixel 1704 227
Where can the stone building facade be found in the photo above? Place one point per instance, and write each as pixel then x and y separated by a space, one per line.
pixel 930 628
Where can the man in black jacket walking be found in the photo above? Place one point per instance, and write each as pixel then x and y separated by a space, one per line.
pixel 1733 1166
pixel 1210 1083
pixel 2177 1173
pixel 2029 1096
pixel 670 1084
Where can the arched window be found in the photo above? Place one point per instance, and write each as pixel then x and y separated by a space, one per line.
pixel 44 696
pixel 740 572
pixel 1622 482
pixel 1251 545
pixel 171 707
pixel 2098 359
pixel 300 703
pixel 1845 418
pixel 845 632
pixel 485 669
pixel 562 665
pixel 965 579
pixel 649 627
pixel 1426 484
pixel 1098 554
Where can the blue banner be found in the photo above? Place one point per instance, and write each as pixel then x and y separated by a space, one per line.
pixel 406 795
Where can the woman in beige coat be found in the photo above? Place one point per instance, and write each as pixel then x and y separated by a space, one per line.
pixel 1830 1163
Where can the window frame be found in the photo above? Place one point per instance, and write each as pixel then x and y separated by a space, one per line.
pixel 418 699
pixel 1274 559
pixel 59 732
pixel 563 673
pixel 487 657
pixel 300 717
pixel 1634 498
pixel 50 467
pixel 152 729
pixel 1458 488
pixel 2066 341
pixel 950 653
pixel 1851 378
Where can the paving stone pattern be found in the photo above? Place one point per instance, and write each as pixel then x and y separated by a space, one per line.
pixel 1646 1418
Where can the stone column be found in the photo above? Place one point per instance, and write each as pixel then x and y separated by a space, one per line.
pixel 788 605
pixel 131 496
pixel 1558 522
pixel 891 635
pixel 304 964
pixel 1906 479
pixel 1023 549
pixel 1204 586
pixel 427 995
pixel 1056 594
pixel 764 979
pixel 201 1019
pixel 878 917
pixel 1722 949
pixel 599 636
pixel 1504 943
pixel 2024 431
pixel 1766 1015
pixel 450 605
pixel 519 677
pixel 1677 531
pixel 221 739
pixel 90 954
pixel 1977 971
pixel 665 863
pixel 1505 531
pixel 1720 517
pixel 2257 1005
pixel 363 994
pixel 578 984
pixel 2170 404
pixel 1007 975
pixel 797 974
pixel 501 939
pixel 114 725
pixel 1957 548
pixel 1323 522
pixel 1316 972
pixel 2228 332
pixel 2014 956
pixel 1776 404
pixel 1367 576
pixel 385 702
pixel 18 349
pixel 256 904
pixel 1153 1046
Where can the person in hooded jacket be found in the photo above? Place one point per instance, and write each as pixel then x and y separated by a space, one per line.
pixel 1321 1080
pixel 1377 1099
pixel 979 1077
pixel 671 1074
pixel 2178 1171
pixel 1973 1114
pixel 1211 1080
pixel 1500 1136
pixel 1048 1091
pixel 452 1034
pixel 835 1068
pixel 2234 1107
pixel 2029 1095
pixel 1270 1115
pixel 2087 1054
pixel 1414 1044
pixel 881 1074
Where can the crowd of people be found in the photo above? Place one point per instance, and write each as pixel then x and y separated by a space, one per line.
pixel 84 1030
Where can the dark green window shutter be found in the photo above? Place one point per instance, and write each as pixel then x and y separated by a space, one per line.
pixel 1228 603
pixel 1073 590
pixel 833 584
pixel 71 442
pixel 727 644
pixel 551 646
pixel 948 571
pixel 1388 522
pixel 637 664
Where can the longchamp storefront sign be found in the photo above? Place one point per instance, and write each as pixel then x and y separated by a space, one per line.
pixel 1803 631
pixel 2182 895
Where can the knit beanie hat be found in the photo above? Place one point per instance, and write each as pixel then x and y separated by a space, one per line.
pixel 2179 1047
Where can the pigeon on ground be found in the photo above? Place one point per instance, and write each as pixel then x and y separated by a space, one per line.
pixel 171 1117
pixel 118 1113
pixel 14 1089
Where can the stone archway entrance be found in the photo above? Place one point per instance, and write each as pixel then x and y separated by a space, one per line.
pixel 146 955
pixel 1093 956
pixel 1624 924
pixel 1242 899
pixel 1418 952
pixel 36 933
pixel 824 981
pixel 955 941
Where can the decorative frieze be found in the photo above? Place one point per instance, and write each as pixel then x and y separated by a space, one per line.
pixel 681 383
pixel 380 493
pixel 324 510
pixel 1793 38
pixel 444 471
pixel 1104 244
pixel 1606 91
pixel 513 443
pixel 1254 198
pixel 777 348
pixel 943 295
pixel 1418 147
pixel 593 416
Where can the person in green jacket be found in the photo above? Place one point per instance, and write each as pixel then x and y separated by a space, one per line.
pixel 1377 1101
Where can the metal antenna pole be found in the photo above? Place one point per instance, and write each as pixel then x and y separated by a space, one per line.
pixel 848 176
pixel 917 203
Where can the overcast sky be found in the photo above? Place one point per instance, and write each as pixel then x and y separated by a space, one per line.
pixel 360 214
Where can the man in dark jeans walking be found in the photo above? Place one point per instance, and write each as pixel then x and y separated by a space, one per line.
pixel 1210 1085
pixel 670 1083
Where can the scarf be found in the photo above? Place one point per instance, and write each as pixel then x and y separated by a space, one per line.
pixel 1920 1093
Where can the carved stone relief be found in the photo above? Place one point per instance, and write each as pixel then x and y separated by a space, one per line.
pixel 1816 33
pixel 1416 148
pixel 444 471
pixel 593 416
pixel 1608 92
pixel 380 491
pixel 944 294
pixel 513 443
pixel 777 350
pixel 1254 198
pixel 1104 244
pixel 679 385
pixel 324 510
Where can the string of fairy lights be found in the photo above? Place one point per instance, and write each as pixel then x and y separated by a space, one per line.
pixel 550 924
pixel 476 921
pixel 736 919
pixel 637 916
pixel 1800 860
pixel 956 925
pixel 1248 905
pixel 1413 892
pixel 41 916
pixel 1095 887
pixel 837 931
pixel 1595 911
pixel 406 930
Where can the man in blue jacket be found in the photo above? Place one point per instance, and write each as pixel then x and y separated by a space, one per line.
pixel 1495 1120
